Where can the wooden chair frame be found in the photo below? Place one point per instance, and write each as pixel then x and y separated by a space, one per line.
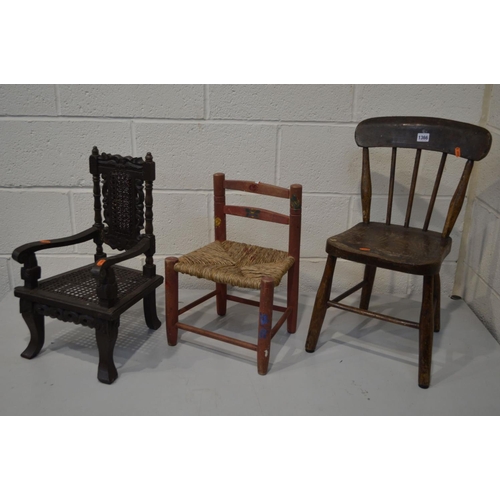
pixel 420 133
pixel 127 210
pixel 266 303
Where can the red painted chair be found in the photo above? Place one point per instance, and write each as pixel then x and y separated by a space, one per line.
pixel 238 264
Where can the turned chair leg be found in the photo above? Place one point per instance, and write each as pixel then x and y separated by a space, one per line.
pixel 320 305
pixel 106 333
pixel 36 325
pixel 265 324
pixel 150 315
pixel 171 300
pixel 366 292
pixel 426 331
pixel 437 303
pixel 221 298
pixel 292 298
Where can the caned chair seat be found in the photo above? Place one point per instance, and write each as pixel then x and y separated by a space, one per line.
pixel 237 264
pixel 392 247
pixel 80 286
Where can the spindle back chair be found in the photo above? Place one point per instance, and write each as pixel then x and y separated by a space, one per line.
pixel 402 247
pixel 228 262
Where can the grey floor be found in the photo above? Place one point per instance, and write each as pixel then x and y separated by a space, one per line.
pixel 361 367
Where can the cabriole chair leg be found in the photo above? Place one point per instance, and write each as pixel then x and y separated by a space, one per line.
pixel 36 325
pixel 150 315
pixel 106 333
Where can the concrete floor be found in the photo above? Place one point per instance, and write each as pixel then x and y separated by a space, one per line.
pixel 361 366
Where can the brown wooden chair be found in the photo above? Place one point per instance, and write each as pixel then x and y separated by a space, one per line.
pixel 402 247
pixel 97 294
pixel 229 262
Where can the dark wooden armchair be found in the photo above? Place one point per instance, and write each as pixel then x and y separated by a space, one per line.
pixel 402 247
pixel 228 262
pixel 97 294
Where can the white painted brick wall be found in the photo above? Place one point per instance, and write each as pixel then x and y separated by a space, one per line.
pixel 280 134
pixel 482 252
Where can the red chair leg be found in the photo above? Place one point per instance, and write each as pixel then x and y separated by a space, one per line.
pixel 320 305
pixel 292 298
pixel 265 324
pixel 221 298
pixel 171 300
pixel 426 332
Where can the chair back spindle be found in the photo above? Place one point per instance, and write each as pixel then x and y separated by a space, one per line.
pixel 391 186
pixel 421 133
pixel 434 191
pixel 411 194
pixel 366 186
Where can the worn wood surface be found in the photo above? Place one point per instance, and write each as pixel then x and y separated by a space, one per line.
pixel 402 248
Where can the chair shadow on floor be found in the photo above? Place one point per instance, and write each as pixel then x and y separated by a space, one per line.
pixel 240 322
pixel 137 347
pixel 397 343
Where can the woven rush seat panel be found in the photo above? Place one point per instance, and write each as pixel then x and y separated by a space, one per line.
pixel 80 284
pixel 237 264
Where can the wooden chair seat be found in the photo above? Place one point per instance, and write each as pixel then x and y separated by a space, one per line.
pixel 236 264
pixel 405 249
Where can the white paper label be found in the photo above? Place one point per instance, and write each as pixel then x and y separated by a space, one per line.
pixel 423 137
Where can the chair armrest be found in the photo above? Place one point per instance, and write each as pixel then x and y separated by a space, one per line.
pixel 101 266
pixel 21 254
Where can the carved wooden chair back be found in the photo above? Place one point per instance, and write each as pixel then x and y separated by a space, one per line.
pixel 124 180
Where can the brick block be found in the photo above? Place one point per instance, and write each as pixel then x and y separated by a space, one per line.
pixel 187 155
pixel 181 222
pixel 34 215
pixel 31 100
pixel 138 101
pixel 281 102
pixel 484 301
pixel 4 277
pixel 483 247
pixel 488 175
pixel 456 102
pixel 321 158
pixel 322 217
pixel 46 153
pixel 494 112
